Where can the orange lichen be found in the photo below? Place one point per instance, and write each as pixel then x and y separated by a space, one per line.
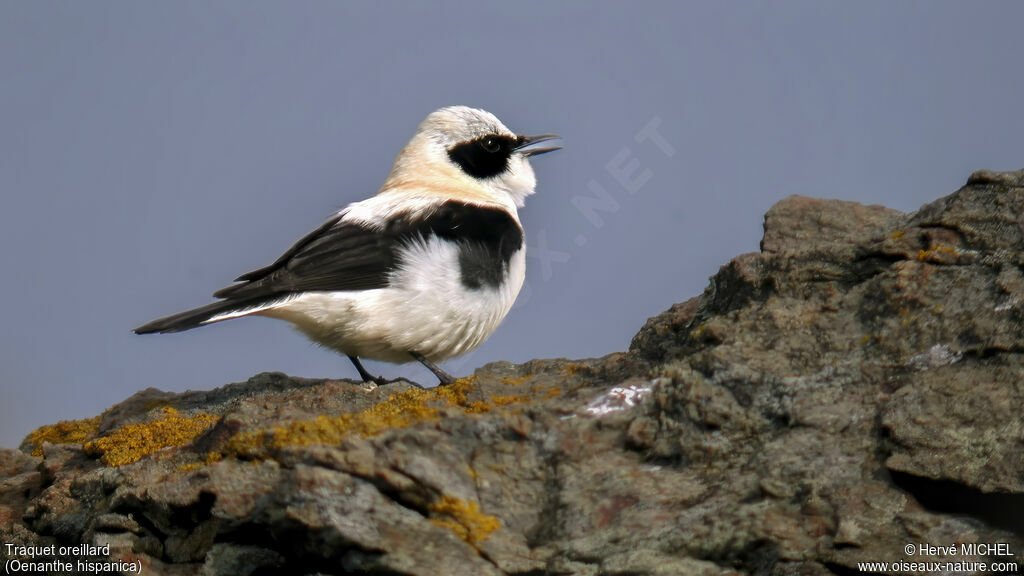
pixel 63 432
pixel 132 442
pixel 517 380
pixel 464 518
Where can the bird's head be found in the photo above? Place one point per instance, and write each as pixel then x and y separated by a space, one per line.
pixel 471 148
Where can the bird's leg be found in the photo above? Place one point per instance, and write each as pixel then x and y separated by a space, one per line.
pixel 443 376
pixel 367 377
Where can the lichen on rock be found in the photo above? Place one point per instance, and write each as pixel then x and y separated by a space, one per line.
pixel 400 410
pixel 464 518
pixel 132 442
pixel 853 387
pixel 63 432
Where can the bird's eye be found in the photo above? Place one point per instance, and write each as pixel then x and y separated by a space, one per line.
pixel 490 144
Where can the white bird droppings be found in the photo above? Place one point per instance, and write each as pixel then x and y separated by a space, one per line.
pixel 936 356
pixel 618 398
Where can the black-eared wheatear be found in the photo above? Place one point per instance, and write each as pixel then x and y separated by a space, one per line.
pixel 425 270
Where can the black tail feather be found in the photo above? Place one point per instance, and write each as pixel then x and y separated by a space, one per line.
pixel 193 318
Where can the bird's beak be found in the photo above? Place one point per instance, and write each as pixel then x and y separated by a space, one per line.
pixel 523 143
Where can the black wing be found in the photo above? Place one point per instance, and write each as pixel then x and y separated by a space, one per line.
pixel 341 256
pixel 337 256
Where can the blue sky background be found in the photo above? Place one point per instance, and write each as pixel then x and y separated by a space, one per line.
pixel 151 152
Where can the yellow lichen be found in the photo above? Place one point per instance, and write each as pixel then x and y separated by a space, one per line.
pixel 506 400
pixel 245 442
pixel 63 432
pixel 552 393
pixel 132 442
pixel 154 404
pixel 572 368
pixel 401 410
pixel 898 234
pixel 516 381
pixel 935 253
pixel 210 458
pixel 698 332
pixel 464 518
pixel 479 407
pixel 495 402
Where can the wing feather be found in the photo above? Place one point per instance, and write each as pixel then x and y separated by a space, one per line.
pixel 349 254
pixel 340 255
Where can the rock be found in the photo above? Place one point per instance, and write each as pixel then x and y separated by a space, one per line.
pixel 852 389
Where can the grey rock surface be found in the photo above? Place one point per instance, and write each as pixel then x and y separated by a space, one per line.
pixel 853 388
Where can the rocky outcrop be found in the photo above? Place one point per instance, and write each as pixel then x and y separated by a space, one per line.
pixel 853 389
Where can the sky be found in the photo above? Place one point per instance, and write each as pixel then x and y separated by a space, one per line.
pixel 152 152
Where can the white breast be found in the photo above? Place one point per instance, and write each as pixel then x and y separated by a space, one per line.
pixel 426 309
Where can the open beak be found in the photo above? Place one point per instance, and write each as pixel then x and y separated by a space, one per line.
pixel 523 144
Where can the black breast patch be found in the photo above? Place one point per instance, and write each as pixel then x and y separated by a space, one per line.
pixel 342 255
pixel 486 238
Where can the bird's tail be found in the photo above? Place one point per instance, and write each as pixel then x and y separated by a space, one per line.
pixel 201 316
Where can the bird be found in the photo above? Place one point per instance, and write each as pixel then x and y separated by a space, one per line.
pixel 425 270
